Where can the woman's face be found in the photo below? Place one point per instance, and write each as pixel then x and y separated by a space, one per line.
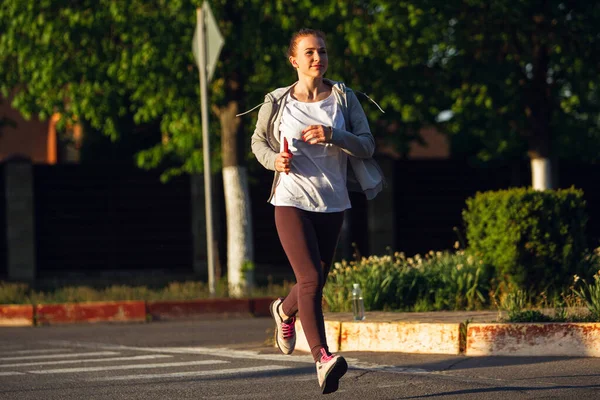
pixel 311 57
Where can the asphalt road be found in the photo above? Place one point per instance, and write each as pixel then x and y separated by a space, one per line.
pixel 231 359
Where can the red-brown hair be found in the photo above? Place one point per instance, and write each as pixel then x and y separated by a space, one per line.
pixel 299 35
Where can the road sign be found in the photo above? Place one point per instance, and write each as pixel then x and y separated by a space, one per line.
pixel 206 45
pixel 213 41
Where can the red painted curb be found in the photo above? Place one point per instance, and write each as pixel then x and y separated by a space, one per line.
pixel 118 311
pixel 197 308
pixel 16 315
pixel 259 307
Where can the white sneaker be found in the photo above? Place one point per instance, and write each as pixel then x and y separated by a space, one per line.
pixel 330 368
pixel 285 332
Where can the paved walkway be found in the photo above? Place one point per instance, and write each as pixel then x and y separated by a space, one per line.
pixel 473 333
pixel 438 316
pixel 487 316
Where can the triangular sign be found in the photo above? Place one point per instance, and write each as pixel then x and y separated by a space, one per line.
pixel 214 41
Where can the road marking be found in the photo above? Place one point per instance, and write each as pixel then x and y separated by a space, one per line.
pixel 39 351
pixel 88 360
pixel 195 373
pixel 229 353
pixel 212 351
pixel 122 367
pixel 243 354
pixel 98 353
pixel 11 373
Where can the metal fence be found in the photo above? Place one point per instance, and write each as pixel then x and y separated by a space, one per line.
pixel 3 250
pixel 107 217
pixel 111 218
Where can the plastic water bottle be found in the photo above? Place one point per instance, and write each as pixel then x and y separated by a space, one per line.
pixel 358 305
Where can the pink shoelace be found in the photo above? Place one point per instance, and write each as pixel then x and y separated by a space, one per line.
pixel 324 357
pixel 288 330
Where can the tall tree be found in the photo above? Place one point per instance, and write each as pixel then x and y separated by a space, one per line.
pixel 105 61
pixel 513 77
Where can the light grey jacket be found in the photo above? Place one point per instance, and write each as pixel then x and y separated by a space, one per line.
pixel 364 175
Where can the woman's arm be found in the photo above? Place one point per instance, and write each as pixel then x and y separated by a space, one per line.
pixel 260 146
pixel 359 142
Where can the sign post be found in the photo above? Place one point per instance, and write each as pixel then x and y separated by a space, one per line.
pixel 207 44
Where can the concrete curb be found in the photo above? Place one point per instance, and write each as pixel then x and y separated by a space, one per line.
pixel 164 310
pixel 534 339
pixel 404 337
pixel 478 339
pixel 16 315
pixel 332 333
pixel 130 311
pixel 259 306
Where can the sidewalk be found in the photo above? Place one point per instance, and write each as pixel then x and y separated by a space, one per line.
pixel 407 332
pixel 423 317
pixel 470 333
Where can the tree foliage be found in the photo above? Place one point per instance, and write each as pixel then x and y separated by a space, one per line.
pixel 515 75
pixel 107 61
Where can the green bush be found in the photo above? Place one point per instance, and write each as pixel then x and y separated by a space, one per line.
pixel 437 281
pixel 534 239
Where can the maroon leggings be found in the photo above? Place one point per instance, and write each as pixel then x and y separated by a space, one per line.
pixel 309 240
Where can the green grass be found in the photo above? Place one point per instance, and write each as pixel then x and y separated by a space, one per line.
pixel 20 293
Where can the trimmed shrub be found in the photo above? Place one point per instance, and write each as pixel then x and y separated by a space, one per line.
pixel 534 239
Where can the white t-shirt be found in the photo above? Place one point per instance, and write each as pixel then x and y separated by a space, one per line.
pixel 317 180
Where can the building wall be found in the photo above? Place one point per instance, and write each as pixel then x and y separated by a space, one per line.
pixel 436 146
pixel 27 138
pixel 30 138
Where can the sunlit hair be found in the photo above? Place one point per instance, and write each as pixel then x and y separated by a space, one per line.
pixel 301 34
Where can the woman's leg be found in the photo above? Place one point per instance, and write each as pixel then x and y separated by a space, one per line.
pixel 329 227
pixel 328 232
pixel 299 232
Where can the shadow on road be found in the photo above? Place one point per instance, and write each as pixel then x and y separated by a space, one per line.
pixel 506 389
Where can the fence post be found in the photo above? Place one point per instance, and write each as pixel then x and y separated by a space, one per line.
pixel 20 220
pixel 381 215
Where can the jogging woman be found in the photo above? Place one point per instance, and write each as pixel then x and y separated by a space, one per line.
pixel 308 133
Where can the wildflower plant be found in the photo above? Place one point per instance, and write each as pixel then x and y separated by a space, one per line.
pixel 589 294
pixel 435 281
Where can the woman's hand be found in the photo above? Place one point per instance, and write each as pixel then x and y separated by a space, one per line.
pixel 316 134
pixel 283 162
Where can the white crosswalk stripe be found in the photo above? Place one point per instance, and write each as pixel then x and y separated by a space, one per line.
pixel 58 356
pixel 38 351
pixel 208 351
pixel 236 354
pixel 88 360
pixel 108 360
pixel 11 373
pixel 133 366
